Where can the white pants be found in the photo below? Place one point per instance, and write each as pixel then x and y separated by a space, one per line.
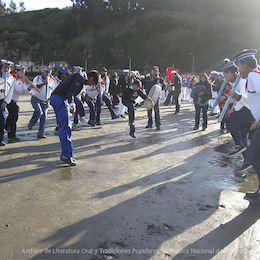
pixel 122 109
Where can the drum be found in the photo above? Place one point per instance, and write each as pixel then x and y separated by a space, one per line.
pixel 154 94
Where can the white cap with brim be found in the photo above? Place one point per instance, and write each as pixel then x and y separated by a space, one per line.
pixel 126 71
pixel 46 68
pixel 7 62
pixel 245 54
pixel 173 72
pixel 77 68
pixel 20 67
pixel 227 65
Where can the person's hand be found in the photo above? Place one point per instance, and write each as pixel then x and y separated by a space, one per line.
pixel 87 98
pixel 229 112
pixel 83 94
pixel 3 106
pixel 221 99
pixel 236 96
pixel 72 109
pixel 120 94
pixel 255 125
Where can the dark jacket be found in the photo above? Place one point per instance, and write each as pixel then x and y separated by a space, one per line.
pixel 123 83
pixel 130 95
pixel 177 83
pixel 113 86
pixel 149 82
pixel 70 87
pixel 203 99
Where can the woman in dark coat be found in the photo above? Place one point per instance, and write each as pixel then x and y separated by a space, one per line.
pixel 201 94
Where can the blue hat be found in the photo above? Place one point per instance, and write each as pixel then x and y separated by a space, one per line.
pixel 47 68
pixel 227 65
pixel 20 67
pixel 63 69
pixel 7 62
pixel 245 54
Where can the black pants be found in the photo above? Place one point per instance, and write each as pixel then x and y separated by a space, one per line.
pixel 204 110
pixel 176 100
pixel 168 99
pixel 12 118
pixel 131 115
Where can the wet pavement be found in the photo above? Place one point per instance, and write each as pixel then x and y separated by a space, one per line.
pixel 169 194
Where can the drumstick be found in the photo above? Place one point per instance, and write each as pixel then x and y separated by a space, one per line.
pixel 31 84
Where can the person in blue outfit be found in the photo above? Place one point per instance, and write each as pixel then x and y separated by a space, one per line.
pixel 62 100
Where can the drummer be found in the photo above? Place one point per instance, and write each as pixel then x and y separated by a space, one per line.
pixel 129 96
pixel 150 80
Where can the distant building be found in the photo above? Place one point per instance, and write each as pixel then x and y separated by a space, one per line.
pixel 29 64
pixel 56 64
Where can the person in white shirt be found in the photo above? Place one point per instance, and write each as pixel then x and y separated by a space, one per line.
pixel 40 100
pixel 248 70
pixel 239 118
pixel 13 108
pixel 6 93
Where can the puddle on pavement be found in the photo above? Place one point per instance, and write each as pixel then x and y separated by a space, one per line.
pixel 73 173
pixel 249 185
pixel 245 181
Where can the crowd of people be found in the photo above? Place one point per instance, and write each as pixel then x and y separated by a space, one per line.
pixel 232 93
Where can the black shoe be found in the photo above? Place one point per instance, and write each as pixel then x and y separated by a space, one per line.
pixel 165 104
pixel 2 143
pixel 252 196
pixel 158 128
pixel 30 126
pixel 70 161
pixel 122 116
pixel 195 128
pixel 13 139
pixel 91 123
pixel 132 134
pixel 114 117
pixel 237 150
pixel 98 123
pixel 149 126
pixel 8 129
pixel 245 166
pixel 41 136
pixel 204 128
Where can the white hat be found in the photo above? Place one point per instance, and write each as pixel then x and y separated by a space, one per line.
pixel 246 54
pixel 126 71
pixel 7 62
pixel 47 68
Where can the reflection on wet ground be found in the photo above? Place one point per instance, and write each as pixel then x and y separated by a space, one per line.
pixel 247 180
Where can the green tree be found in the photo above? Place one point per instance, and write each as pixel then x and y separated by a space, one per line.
pixel 2 8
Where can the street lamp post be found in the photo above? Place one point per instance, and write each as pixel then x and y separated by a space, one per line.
pixel 193 62
pixel 130 63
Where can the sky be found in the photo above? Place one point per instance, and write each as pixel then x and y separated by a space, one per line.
pixel 41 4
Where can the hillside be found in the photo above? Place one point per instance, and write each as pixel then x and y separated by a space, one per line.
pixel 162 37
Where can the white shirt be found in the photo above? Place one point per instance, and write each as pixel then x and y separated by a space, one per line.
pixel 241 89
pixel 105 81
pixel 19 87
pixel 253 94
pixel 91 91
pixel 7 93
pixel 46 90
